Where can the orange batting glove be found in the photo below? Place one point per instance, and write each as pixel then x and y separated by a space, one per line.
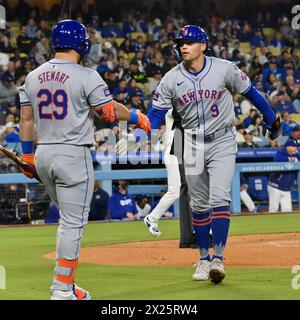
pixel 29 158
pixel 143 121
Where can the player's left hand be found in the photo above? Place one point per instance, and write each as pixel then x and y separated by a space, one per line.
pixel 275 131
pixel 29 158
pixel 143 122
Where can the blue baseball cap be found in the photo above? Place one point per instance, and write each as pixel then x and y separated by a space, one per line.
pixel 290 143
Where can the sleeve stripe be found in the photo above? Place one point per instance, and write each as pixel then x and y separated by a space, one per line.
pixel 250 86
pixel 26 105
pixel 102 104
pixel 159 108
pixel 25 102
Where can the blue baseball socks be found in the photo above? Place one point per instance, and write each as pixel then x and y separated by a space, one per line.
pixel 202 224
pixel 220 220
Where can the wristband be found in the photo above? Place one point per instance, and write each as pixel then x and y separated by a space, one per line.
pixel 27 147
pixel 134 119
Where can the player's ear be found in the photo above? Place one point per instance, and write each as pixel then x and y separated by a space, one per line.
pixel 203 47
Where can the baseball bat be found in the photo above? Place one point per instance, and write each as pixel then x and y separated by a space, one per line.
pixel 20 163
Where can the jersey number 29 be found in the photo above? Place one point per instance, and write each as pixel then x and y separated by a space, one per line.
pixel 60 101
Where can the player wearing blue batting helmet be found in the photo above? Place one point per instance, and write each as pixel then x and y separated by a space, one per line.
pixel 71 34
pixel 190 34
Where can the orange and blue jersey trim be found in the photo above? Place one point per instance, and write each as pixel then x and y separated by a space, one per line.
pixel 25 104
pixel 99 105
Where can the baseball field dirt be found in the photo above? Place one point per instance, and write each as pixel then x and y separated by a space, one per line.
pixel 264 250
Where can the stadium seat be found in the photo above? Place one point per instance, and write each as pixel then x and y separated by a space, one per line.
pixel 245 47
pixel 14 24
pixel 134 35
pixel 275 51
pixel 295 117
pixel 119 41
pixel 269 33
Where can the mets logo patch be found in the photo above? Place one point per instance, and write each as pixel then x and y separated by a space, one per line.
pixel 185 31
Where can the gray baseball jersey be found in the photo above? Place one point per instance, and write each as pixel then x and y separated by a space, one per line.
pixel 62 94
pixel 203 100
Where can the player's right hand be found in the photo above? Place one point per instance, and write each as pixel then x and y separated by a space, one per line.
pixel 143 122
pixel 28 158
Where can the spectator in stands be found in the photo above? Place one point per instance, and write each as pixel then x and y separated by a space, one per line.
pixel 134 73
pixel 8 89
pixel 272 68
pixel 255 68
pixel 95 52
pixel 111 61
pixel 246 34
pixel 122 204
pixel 283 104
pixel 278 41
pixel 248 120
pixel 103 67
pixel 248 143
pixel 137 102
pixel 295 135
pixel 12 132
pixel 11 108
pixel 281 183
pixel 134 89
pixel 99 204
pixel 142 205
pixel 24 43
pixel 42 26
pixel 121 88
pixel 141 23
pixel 129 26
pixel 294 57
pixel 31 28
pixel 287 31
pixel 272 144
pixel 139 55
pixel 293 91
pixel 112 29
pixel 256 126
pixel 126 46
pixel 271 83
pixel 5 45
pixel 258 40
pixel 153 82
pixel 287 124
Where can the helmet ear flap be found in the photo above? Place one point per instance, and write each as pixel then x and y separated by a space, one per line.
pixel 177 51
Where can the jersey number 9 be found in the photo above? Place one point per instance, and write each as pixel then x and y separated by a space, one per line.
pixel 60 101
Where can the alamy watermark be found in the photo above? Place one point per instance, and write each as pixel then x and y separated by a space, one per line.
pixel 296 279
pixel 2 18
pixel 2 278
pixel 296 18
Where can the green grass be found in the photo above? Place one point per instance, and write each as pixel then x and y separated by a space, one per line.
pixel 29 274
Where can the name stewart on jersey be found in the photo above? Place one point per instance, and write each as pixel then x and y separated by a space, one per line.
pixel 53 76
pixel 191 96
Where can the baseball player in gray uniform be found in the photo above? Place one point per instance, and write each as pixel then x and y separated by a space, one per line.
pixel 200 89
pixel 59 98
